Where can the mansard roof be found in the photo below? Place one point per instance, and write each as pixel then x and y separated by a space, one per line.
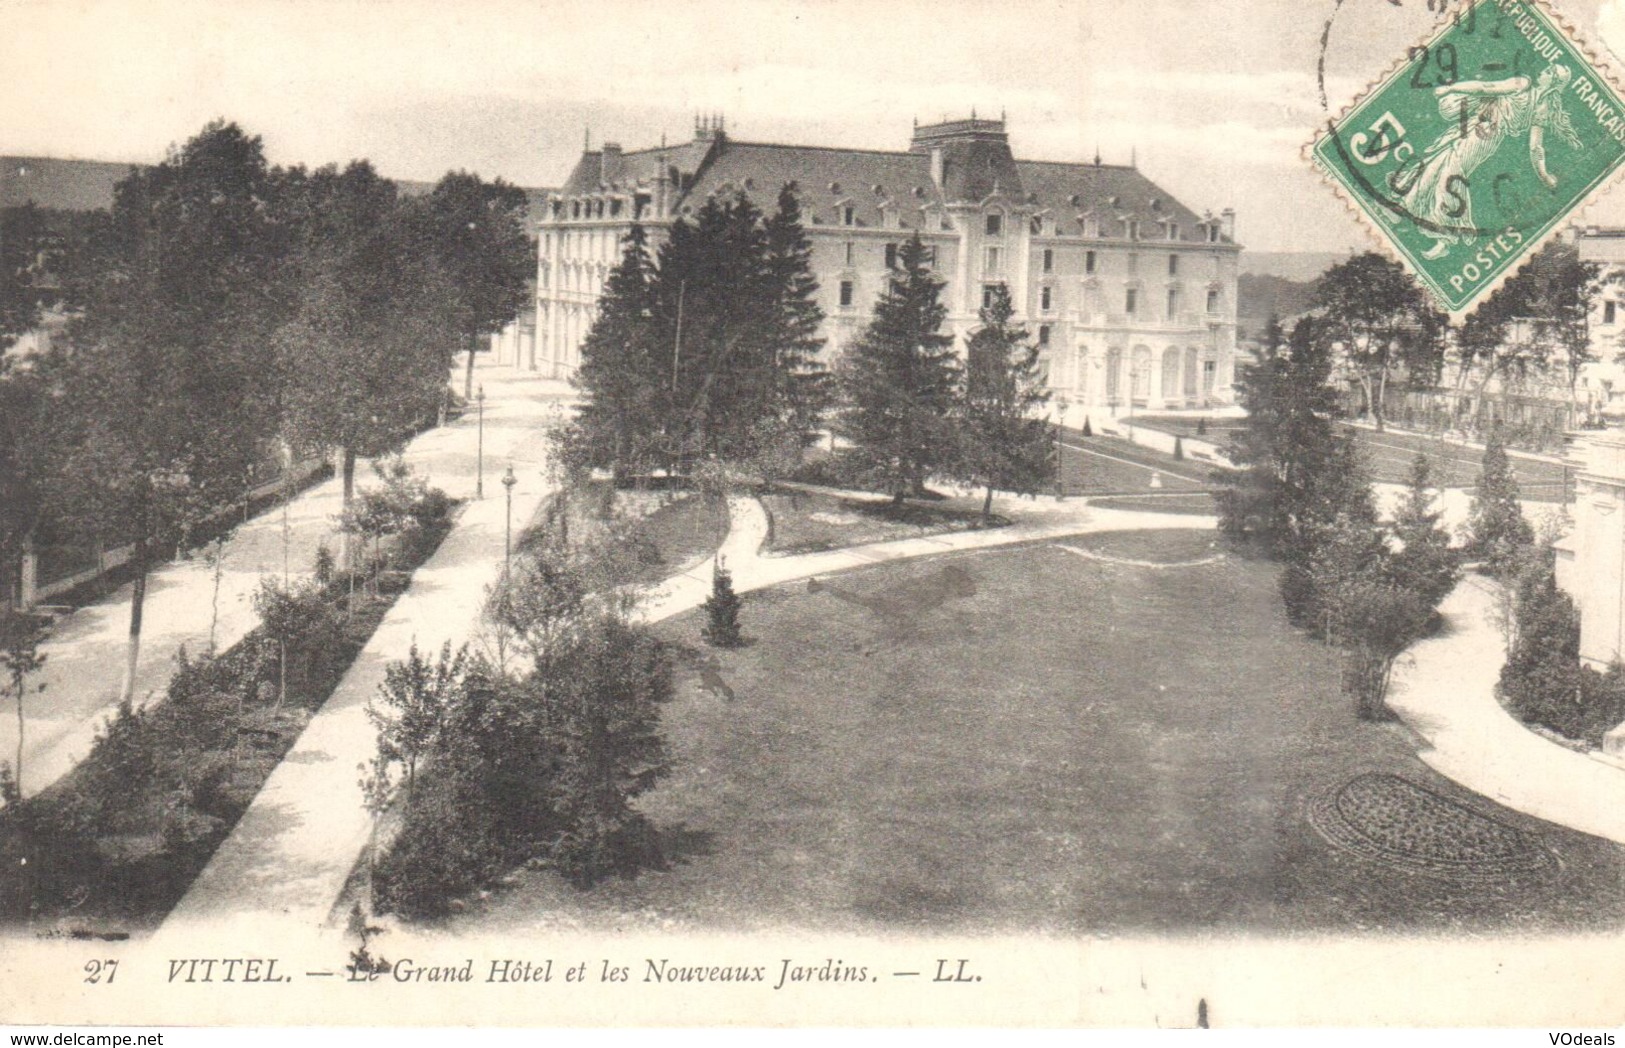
pixel 976 166
pixel 1109 191
pixel 825 179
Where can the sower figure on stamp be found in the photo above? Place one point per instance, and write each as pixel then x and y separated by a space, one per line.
pixel 1437 193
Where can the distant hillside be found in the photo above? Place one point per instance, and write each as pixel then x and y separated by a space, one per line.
pixel 1291 265
pixel 87 185
pixel 1259 296
pixel 64 185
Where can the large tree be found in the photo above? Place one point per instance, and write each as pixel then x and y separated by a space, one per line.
pixel 623 370
pixel 162 397
pixel 371 327
pixel 1384 322
pixel 711 352
pixel 899 380
pixel 1004 446
pixel 1288 446
pixel 478 234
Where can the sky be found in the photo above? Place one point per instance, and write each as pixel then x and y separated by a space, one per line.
pixel 1213 99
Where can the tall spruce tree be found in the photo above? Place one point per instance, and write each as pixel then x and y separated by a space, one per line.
pixel 621 372
pixel 1495 523
pixel 1288 445
pixel 802 393
pixel 899 381
pixel 1424 563
pixel 713 299
pixel 1003 446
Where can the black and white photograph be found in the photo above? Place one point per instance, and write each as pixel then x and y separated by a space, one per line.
pixel 812 513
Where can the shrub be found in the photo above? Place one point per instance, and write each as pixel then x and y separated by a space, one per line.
pixel 446 848
pixel 722 612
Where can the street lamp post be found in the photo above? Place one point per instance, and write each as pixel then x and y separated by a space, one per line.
pixel 479 447
pixel 508 481
pixel 1061 404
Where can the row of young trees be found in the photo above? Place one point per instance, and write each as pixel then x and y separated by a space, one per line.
pixel 1536 323
pixel 226 313
pixel 709 349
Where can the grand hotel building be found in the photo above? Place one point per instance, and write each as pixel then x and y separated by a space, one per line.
pixel 1130 294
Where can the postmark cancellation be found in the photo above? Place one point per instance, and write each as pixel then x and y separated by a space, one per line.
pixel 1476 147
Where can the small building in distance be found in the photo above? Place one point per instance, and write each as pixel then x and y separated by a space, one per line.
pixel 1130 294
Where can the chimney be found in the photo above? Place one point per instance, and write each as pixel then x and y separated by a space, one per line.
pixel 1227 223
pixel 609 162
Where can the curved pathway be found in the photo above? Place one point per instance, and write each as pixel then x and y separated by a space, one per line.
pixel 1444 688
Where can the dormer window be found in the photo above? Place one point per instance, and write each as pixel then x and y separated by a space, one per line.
pixel 994 224
pixel 849 215
pixel 1091 226
pixel 1173 231
pixel 1036 227
pixel 1131 228
pixel 1213 233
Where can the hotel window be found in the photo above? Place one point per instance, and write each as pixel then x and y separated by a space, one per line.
pixel 1049 260
pixel 846 252
pixel 1131 301
pixel 1044 298
pixel 1608 312
pixel 990 261
pixel 1043 334
pixel 1173 265
pixel 988 291
pixel 849 215
pixel 1173 302
pixel 995 224
pixel 1088 261
pixel 1213 301
pixel 846 294
pixel 891 256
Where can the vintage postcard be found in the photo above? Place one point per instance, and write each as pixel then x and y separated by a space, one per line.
pixel 798 513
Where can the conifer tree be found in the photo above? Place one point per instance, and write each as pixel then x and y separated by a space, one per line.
pixel 1496 524
pixel 899 381
pixel 1288 444
pixel 620 371
pixel 802 393
pixel 1424 564
pixel 1004 446
pixel 722 612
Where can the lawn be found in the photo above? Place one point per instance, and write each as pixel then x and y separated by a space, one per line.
pixel 1026 739
pixel 805 522
pixel 1101 465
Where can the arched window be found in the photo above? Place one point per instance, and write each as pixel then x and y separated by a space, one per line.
pixel 1141 371
pixel 1114 369
pixel 1190 373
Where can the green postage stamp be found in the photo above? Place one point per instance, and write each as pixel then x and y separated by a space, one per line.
pixel 1476 148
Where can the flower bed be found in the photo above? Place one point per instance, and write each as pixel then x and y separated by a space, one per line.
pixel 807 522
pixel 1391 820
